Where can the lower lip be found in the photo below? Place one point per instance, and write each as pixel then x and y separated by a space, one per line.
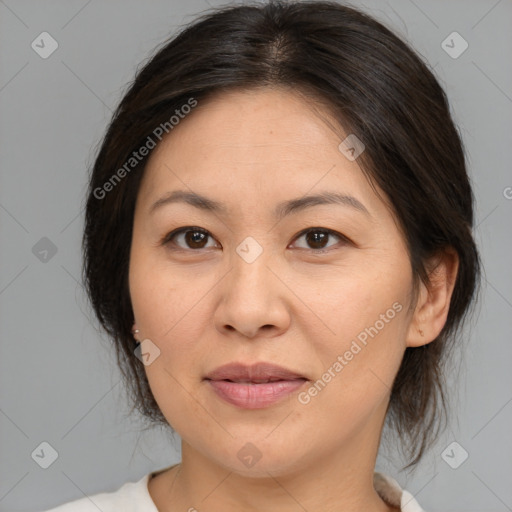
pixel 255 396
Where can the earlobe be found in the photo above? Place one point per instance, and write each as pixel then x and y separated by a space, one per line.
pixel 434 298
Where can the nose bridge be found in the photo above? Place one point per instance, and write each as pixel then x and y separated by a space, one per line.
pixel 251 294
pixel 250 266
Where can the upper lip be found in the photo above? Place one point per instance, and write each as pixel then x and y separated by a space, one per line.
pixel 263 371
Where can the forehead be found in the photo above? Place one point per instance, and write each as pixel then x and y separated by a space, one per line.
pixel 242 144
pixel 262 121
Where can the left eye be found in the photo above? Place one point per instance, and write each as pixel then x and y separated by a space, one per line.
pixel 317 238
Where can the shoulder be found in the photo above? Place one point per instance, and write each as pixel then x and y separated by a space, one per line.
pixel 135 497
pixel 392 494
pixel 130 497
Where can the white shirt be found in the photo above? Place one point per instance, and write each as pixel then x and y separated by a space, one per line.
pixel 135 497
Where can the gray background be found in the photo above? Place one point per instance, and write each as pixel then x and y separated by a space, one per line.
pixel 58 378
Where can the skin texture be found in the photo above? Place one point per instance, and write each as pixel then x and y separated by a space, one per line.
pixel 204 307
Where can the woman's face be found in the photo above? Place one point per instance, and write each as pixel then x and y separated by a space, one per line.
pixel 320 288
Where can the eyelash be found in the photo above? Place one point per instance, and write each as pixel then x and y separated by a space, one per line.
pixel 167 239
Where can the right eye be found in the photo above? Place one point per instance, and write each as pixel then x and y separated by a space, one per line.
pixel 187 238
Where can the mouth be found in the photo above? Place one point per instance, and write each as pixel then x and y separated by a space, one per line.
pixel 256 386
pixel 258 373
pixel 255 381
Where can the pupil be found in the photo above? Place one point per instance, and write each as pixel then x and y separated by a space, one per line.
pixel 192 237
pixel 316 239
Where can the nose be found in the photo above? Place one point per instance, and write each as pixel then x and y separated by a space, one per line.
pixel 254 302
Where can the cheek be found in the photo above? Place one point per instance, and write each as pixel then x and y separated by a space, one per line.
pixel 363 348
pixel 167 309
pixel 356 379
pixel 352 303
pixel 163 297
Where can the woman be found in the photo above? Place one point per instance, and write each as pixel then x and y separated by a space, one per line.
pixel 278 240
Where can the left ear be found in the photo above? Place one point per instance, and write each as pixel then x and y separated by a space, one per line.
pixel 433 302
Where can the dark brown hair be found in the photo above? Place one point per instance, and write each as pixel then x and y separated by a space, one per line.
pixel 376 87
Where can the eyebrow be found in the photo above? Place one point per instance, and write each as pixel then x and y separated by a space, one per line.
pixel 282 209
